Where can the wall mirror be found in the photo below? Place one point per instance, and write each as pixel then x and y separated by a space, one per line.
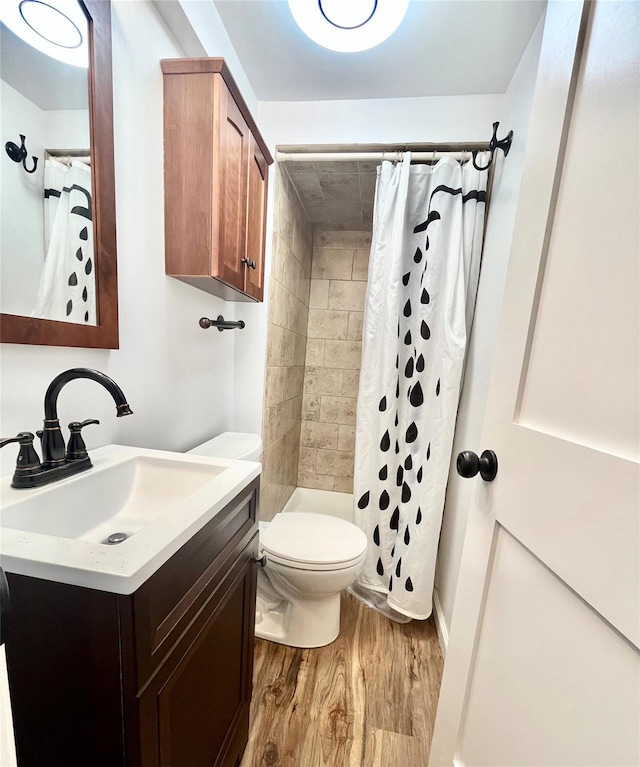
pixel 58 275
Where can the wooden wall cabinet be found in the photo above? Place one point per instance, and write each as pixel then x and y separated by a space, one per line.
pixel 159 677
pixel 215 175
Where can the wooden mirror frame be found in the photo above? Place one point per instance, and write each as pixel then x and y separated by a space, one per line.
pixel 15 329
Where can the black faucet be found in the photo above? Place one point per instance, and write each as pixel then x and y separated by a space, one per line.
pixel 59 462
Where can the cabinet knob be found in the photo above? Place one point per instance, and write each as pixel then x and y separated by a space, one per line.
pixel 262 561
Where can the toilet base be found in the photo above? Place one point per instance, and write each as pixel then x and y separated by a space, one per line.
pixel 305 623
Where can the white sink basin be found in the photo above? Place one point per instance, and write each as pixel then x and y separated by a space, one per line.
pixel 121 498
pixel 157 499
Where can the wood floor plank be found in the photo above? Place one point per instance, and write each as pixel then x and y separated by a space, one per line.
pixel 366 700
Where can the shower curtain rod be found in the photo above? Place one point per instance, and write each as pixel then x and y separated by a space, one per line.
pixel 433 152
pixel 372 156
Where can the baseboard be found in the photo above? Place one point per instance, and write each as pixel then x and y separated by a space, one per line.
pixel 441 625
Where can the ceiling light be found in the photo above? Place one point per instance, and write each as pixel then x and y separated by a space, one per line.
pixel 57 28
pixel 348 26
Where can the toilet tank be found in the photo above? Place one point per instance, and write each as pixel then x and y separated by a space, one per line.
pixel 232 444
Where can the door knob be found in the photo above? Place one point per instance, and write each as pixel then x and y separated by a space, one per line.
pixel 468 465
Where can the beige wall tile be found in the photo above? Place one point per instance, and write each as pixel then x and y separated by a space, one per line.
pixel 347 295
pixel 332 264
pixel 343 484
pixel 294 382
pixel 275 386
pixel 341 410
pixel 335 239
pixel 342 354
pixel 316 481
pixel 289 289
pixel 347 438
pixel 350 381
pixel 326 324
pixel 307 459
pixel 360 265
pixel 323 435
pixel 354 327
pixel 299 344
pixel 311 407
pixel 322 381
pixel 334 462
pixel 315 352
pixel 319 296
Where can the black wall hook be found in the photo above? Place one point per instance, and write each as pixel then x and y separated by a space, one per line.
pixel 495 143
pixel 19 154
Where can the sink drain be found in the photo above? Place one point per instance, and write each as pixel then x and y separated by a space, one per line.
pixel 116 538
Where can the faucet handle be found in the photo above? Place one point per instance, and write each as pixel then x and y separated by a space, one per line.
pixel 24 438
pixel 76 426
pixel 27 457
pixel 76 448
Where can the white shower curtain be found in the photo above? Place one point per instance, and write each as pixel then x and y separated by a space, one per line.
pixel 423 276
pixel 67 285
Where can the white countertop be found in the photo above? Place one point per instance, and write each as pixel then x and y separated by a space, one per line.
pixel 121 568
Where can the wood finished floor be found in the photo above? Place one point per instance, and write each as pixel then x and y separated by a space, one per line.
pixel 367 700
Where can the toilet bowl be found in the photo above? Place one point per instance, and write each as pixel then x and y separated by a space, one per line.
pixel 308 560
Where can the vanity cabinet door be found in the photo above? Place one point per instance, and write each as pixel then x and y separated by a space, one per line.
pixel 231 178
pixel 195 711
pixel 256 221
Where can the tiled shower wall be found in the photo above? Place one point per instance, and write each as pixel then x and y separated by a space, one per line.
pixel 336 304
pixel 286 345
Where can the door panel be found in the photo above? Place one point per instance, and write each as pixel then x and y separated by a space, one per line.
pixel 256 221
pixel 539 662
pixel 543 665
pixel 592 258
pixel 232 178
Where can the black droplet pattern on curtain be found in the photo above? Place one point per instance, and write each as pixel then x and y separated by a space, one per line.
pixel 402 475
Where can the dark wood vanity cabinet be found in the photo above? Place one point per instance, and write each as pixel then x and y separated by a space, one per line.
pixel 159 678
pixel 215 170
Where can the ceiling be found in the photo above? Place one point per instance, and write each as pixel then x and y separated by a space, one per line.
pixel 47 82
pixel 336 195
pixel 442 48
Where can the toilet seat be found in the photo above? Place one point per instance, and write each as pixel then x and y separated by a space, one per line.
pixel 308 541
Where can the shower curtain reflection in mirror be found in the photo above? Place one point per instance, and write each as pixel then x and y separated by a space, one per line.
pixel 67 286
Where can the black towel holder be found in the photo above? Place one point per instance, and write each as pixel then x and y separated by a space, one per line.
pixel 220 323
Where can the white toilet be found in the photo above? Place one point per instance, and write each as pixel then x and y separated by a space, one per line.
pixel 308 560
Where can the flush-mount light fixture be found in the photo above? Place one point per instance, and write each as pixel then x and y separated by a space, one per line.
pixel 348 25
pixel 55 27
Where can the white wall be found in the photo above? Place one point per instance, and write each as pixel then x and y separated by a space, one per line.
pixel 22 217
pixel 513 114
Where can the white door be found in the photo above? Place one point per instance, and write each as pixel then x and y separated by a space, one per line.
pixel 542 667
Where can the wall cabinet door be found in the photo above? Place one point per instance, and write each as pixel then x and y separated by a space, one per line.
pixel 256 221
pixel 231 178
pixel 197 706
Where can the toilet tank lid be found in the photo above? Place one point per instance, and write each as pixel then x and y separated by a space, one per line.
pixel 232 444
pixel 313 538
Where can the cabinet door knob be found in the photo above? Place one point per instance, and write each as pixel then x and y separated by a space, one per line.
pixel 245 261
pixel 262 561
pixel 468 465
